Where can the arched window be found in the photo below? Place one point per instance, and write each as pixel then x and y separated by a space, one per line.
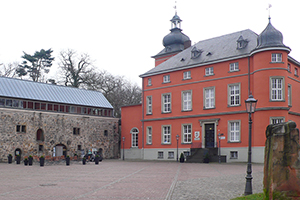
pixel 40 135
pixel 134 137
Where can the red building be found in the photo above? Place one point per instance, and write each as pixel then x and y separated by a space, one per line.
pixel 199 91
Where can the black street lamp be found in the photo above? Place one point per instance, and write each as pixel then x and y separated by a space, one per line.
pixel 250 108
pixel 123 146
pixel 177 138
pixel 219 135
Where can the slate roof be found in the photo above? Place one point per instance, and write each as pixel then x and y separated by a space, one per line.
pixel 23 89
pixel 213 50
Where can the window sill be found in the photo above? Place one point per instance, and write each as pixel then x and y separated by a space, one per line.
pixel 149 114
pixel 276 62
pixel 233 105
pixel 186 79
pixel 209 108
pixel 234 71
pixel 275 100
pixel 186 143
pixel 166 112
pixel 166 82
pixel 186 110
pixel 208 75
pixel 165 143
pixel 233 141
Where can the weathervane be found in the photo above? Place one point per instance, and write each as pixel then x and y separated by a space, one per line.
pixel 269 9
pixel 175 7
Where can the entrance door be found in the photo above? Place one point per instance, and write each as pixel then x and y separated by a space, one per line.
pixel 209 135
pixel 59 150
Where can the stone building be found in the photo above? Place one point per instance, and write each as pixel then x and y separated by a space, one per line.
pixel 45 119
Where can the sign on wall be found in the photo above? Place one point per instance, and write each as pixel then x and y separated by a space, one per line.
pixel 197 135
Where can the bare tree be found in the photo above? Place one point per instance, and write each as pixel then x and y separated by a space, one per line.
pixel 8 70
pixel 118 91
pixel 76 68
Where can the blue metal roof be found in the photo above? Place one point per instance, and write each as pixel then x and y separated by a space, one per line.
pixel 23 89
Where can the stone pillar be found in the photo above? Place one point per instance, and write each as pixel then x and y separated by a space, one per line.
pixel 282 161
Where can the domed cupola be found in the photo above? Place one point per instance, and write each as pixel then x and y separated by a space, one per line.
pixel 175 40
pixel 270 38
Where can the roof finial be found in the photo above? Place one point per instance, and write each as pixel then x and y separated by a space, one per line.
pixel 175 7
pixel 269 9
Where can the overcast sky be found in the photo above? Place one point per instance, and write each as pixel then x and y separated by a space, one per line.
pixel 121 36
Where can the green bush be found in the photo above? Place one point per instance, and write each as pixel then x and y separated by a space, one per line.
pixel 258 196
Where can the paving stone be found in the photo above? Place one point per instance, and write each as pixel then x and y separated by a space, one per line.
pixel 118 179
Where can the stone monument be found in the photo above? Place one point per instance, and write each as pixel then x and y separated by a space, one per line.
pixel 282 161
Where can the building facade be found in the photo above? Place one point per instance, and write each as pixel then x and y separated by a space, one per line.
pixel 54 121
pixel 196 92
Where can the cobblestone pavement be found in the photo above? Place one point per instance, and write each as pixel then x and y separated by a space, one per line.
pixel 117 179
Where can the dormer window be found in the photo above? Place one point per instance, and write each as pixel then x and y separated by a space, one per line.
pixel 241 43
pixel 168 48
pixel 195 53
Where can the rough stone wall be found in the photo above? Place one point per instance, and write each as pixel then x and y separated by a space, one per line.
pixel 282 161
pixel 57 129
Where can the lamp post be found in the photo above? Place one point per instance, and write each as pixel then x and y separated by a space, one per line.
pixel 123 146
pixel 250 108
pixel 177 138
pixel 219 135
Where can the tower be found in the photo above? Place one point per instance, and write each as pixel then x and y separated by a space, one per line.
pixel 174 42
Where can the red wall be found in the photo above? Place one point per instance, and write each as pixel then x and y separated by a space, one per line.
pixel 261 69
pixel 131 118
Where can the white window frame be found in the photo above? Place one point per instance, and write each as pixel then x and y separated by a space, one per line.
pixel 209 97
pixel 234 155
pixel 289 67
pixel 234 131
pixel 186 99
pixel 149 134
pixel 296 71
pixel 166 134
pixel 166 103
pixel 289 95
pixel 209 71
pixel 134 137
pixel 187 75
pixel 186 132
pixel 149 105
pixel 277 120
pixel 160 155
pixel 276 57
pixel 166 79
pixel 233 67
pixel 277 88
pixel 149 81
pixel 171 155
pixel 236 96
